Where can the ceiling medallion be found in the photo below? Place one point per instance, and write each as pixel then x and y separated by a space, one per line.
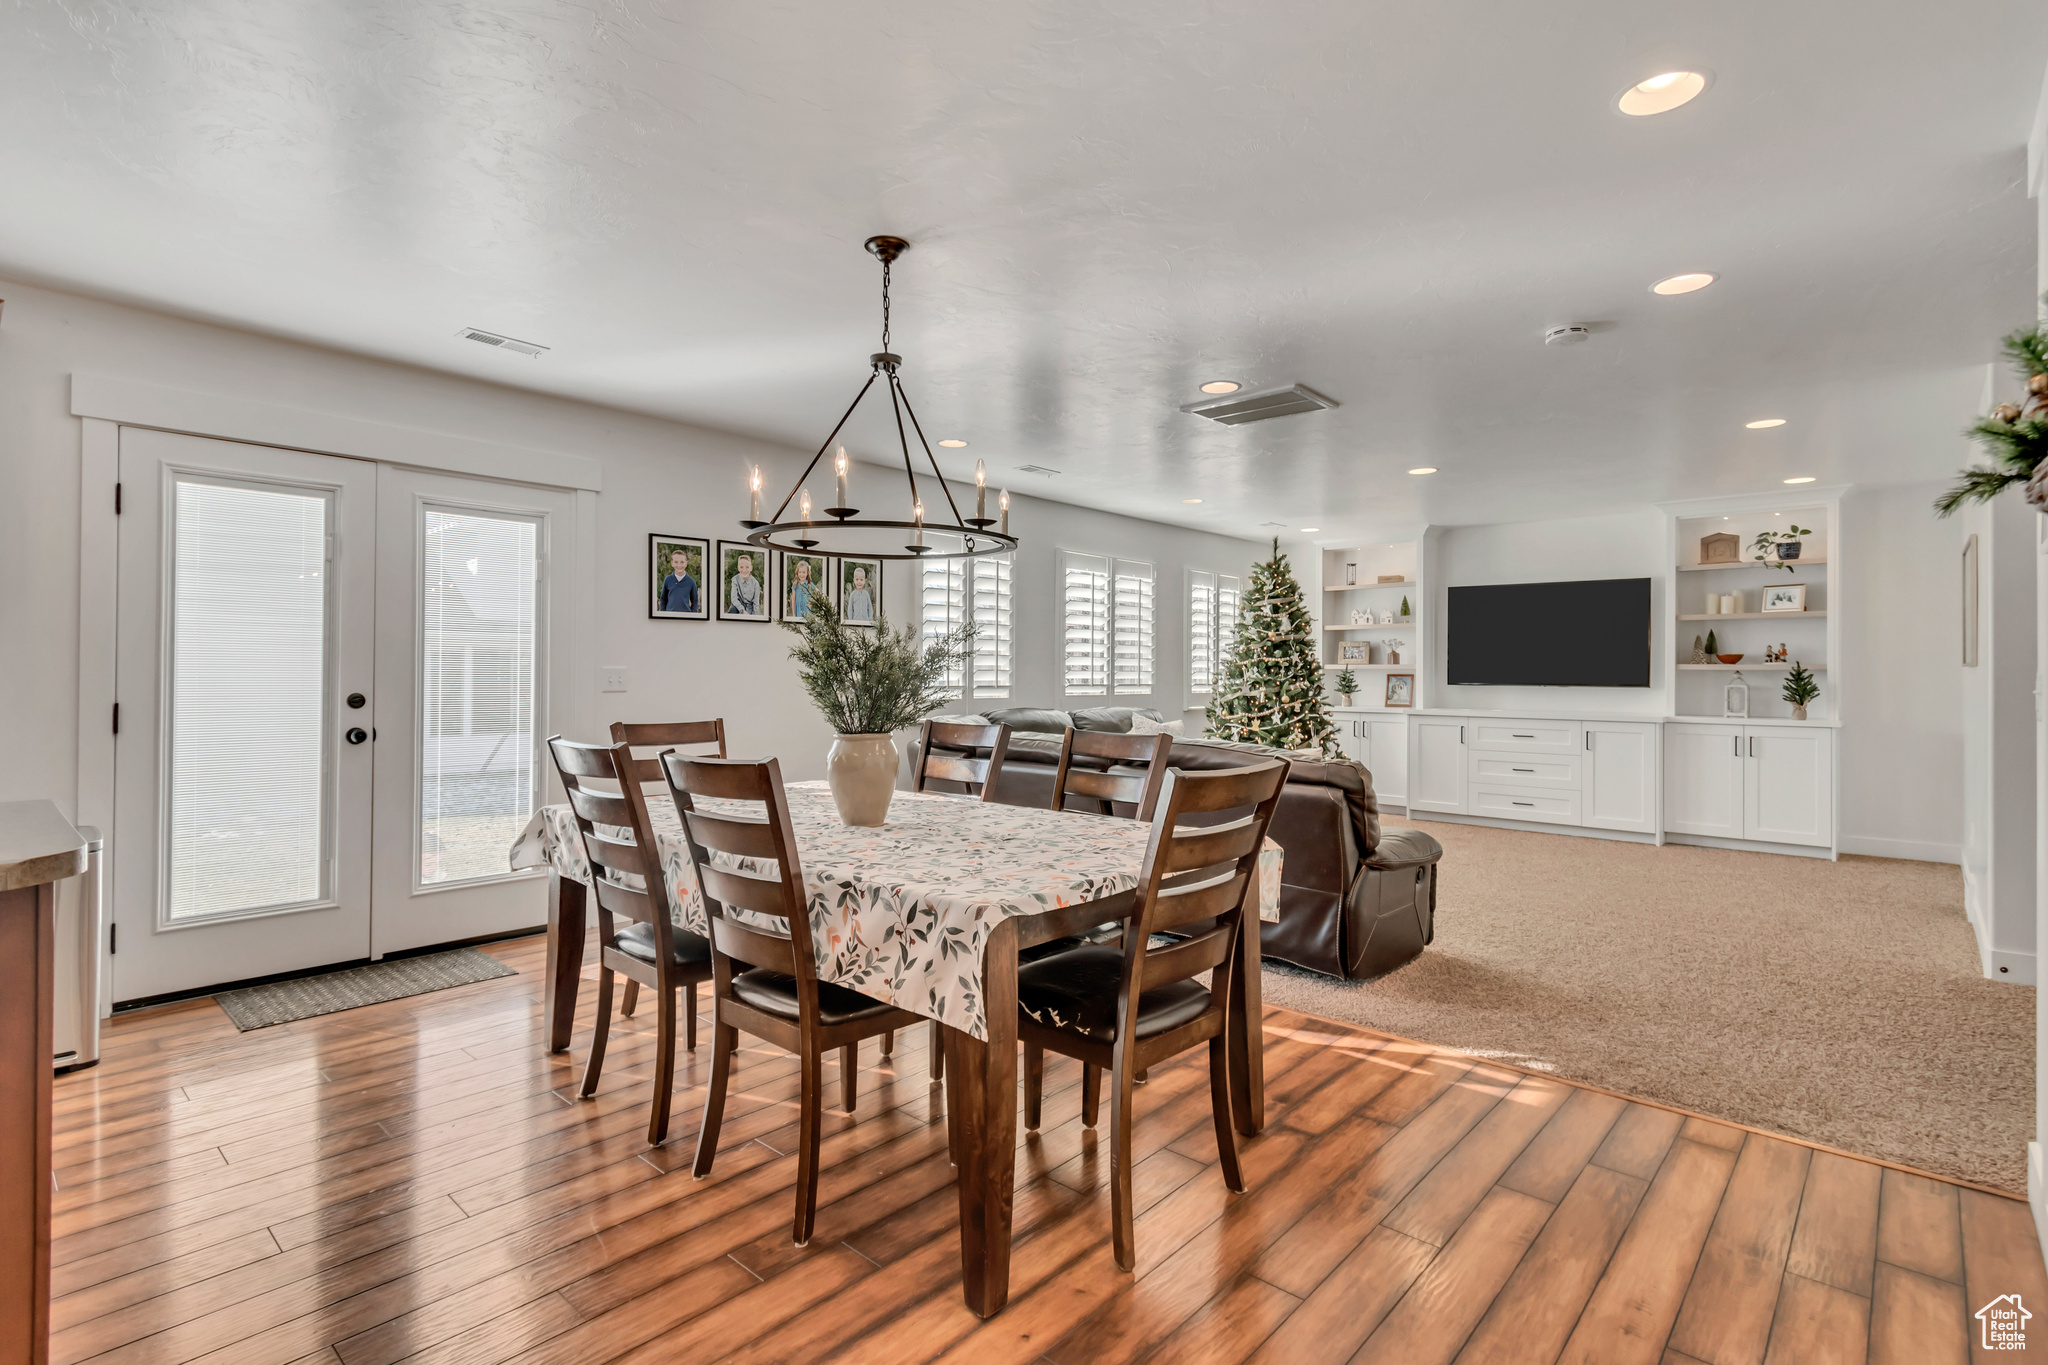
pixel 854 536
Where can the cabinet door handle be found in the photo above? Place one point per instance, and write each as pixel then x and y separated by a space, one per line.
pixel 1525 736
pixel 1525 803
pixel 1525 770
pixel 1589 741
pixel 1738 745
pixel 1752 746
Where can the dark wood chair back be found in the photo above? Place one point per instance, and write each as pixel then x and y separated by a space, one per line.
pixel 764 837
pixel 665 735
pixel 1138 789
pixel 625 872
pixel 946 753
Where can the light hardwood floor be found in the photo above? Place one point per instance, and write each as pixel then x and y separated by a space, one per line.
pixel 414 1182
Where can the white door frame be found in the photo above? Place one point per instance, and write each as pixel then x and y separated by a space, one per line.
pixel 106 403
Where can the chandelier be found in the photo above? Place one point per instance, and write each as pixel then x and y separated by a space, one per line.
pixel 847 532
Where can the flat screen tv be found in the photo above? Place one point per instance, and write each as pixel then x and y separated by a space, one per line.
pixel 1594 633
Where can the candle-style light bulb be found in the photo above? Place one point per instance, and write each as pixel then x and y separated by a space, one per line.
pixel 754 488
pixel 804 503
pixel 840 466
pixel 1003 505
pixel 917 523
pixel 980 491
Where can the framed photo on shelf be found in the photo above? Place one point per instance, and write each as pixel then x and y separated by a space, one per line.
pixel 677 588
pixel 805 578
pixel 1400 689
pixel 744 592
pixel 1785 597
pixel 1354 652
pixel 860 591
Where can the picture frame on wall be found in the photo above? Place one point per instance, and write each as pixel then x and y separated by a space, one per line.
pixel 860 591
pixel 744 590
pixel 1400 689
pixel 802 580
pixel 677 588
pixel 1785 597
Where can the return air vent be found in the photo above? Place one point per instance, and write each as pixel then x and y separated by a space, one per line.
pixel 1239 408
pixel 527 348
pixel 1036 469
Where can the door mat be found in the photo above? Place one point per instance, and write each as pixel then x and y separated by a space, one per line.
pixel 281 1002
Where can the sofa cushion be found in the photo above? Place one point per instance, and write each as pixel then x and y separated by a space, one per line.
pixel 1110 720
pixel 1031 720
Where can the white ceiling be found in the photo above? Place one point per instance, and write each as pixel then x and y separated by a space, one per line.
pixel 1109 203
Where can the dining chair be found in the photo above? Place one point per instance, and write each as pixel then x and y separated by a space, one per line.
pixel 661 735
pixel 945 753
pixel 1139 789
pixel 765 979
pixel 627 884
pixel 1134 1006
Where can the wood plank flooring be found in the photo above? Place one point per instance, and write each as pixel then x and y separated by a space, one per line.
pixel 415 1182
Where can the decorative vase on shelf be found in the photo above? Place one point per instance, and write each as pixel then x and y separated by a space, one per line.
pixel 861 771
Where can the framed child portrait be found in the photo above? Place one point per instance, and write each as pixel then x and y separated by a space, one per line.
pixel 677 590
pixel 805 578
pixel 744 593
pixel 860 591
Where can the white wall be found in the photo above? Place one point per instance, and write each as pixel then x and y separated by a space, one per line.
pixel 657 476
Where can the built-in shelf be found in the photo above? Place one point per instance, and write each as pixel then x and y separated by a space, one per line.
pixel 1371 668
pixel 1773 566
pixel 1754 668
pixel 1398 625
pixel 1354 587
pixel 1750 615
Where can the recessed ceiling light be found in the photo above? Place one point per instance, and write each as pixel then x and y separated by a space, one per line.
pixel 1766 422
pixel 1190 499
pixel 1682 284
pixel 1807 479
pixel 1426 469
pixel 1662 93
pixel 952 443
pixel 1310 530
pixel 1221 386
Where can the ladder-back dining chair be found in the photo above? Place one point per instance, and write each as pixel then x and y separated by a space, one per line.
pixel 1131 1007
pixel 1141 757
pixel 626 883
pixel 765 980
pixel 658 736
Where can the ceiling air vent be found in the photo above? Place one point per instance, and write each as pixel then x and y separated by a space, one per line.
pixel 1035 469
pixel 1239 408
pixel 528 348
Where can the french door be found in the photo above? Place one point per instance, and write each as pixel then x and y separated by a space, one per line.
pixel 333 679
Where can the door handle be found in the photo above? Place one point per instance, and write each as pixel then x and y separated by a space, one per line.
pixel 357 734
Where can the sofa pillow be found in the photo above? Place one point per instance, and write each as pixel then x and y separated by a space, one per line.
pixel 1032 721
pixel 1109 720
pixel 1141 724
pixel 961 720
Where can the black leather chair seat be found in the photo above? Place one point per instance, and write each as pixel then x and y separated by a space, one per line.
pixel 637 940
pixel 776 994
pixel 1075 992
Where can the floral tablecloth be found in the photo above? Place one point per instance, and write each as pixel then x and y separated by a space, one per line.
pixel 901 913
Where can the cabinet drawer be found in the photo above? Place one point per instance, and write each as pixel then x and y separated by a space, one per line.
pixel 1521 770
pixel 1503 802
pixel 1525 737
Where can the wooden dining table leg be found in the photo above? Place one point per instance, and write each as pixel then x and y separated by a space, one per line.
pixel 566 900
pixel 984 1075
pixel 1247 1033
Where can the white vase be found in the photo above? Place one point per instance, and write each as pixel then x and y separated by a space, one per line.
pixel 861 770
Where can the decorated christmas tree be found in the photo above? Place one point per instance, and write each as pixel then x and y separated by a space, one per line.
pixel 1271 691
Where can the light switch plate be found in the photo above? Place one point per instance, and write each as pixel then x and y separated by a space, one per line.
pixel 614 679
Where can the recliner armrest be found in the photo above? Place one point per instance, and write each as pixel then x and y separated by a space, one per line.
pixel 1400 848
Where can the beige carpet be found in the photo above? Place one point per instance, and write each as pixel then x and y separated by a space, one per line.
pixel 1837 1002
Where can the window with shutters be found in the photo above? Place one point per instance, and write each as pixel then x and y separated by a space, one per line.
pixel 1133 627
pixel 1084 624
pixel 1212 621
pixel 956 591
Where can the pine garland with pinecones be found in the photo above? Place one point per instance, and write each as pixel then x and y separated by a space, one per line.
pixel 1271 691
pixel 2015 435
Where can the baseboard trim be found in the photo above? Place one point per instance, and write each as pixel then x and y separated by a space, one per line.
pixel 1750 846
pixel 1534 826
pixel 1912 850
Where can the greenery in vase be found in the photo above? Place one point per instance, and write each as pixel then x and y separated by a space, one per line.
pixel 1765 544
pixel 874 681
pixel 1347 683
pixel 1271 691
pixel 2015 436
pixel 1800 688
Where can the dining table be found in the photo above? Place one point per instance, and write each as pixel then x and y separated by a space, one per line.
pixel 928 912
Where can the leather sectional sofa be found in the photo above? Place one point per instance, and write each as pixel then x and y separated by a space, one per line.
pixel 1356 901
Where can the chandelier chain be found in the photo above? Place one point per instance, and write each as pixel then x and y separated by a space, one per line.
pixel 885 305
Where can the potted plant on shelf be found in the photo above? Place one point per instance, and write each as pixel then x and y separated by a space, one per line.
pixel 1773 548
pixel 1347 684
pixel 1800 689
pixel 869 683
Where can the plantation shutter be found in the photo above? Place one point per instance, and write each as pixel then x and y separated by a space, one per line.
pixel 1084 632
pixel 1134 627
pixel 1201 631
pixel 1229 599
pixel 942 606
pixel 991 611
